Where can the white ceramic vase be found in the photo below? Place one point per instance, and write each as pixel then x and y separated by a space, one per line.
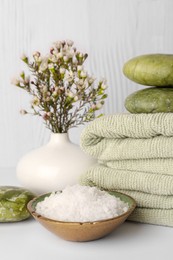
pixel 53 166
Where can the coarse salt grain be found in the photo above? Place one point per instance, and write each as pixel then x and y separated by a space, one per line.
pixel 81 204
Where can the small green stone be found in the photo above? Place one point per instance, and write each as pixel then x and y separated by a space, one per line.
pixel 150 100
pixel 150 70
pixel 13 203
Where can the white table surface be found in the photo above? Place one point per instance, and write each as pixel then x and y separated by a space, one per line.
pixel 28 240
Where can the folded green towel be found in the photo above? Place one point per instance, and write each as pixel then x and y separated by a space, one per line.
pixel 129 136
pixel 112 179
pixel 158 166
pixel 135 152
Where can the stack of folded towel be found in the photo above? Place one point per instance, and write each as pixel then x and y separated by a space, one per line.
pixel 135 155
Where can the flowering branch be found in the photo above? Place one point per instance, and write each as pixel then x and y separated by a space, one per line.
pixel 64 95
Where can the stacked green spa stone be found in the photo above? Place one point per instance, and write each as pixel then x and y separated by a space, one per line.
pixel 155 70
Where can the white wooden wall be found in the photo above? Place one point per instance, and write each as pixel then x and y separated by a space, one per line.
pixel 111 31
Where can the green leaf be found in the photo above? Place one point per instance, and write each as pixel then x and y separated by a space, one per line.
pixel 100 115
pixel 104 96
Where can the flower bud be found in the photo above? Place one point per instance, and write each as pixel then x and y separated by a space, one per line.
pixel 93 106
pixel 49 114
pixel 76 98
pixel 99 105
pixel 45 116
pixel 27 79
pixel 52 50
pixel 22 74
pixel 23 112
pixel 53 58
pixel 59 55
pixel 91 80
pixel 47 99
pixel 35 101
pixel 24 58
pixel 36 54
pixel 103 86
pixel 80 55
pixel 62 89
pixel 44 88
pixel 15 81
pixel 70 94
pixel 65 58
pixel 69 42
pixel 55 94
pixel 57 44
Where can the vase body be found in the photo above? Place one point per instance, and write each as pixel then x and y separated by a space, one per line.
pixel 53 166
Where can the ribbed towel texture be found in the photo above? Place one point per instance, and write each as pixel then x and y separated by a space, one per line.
pixel 135 155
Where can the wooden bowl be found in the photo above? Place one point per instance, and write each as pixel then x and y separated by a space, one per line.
pixel 82 231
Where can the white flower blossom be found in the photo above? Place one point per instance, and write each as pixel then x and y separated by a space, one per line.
pixel 54 94
pixel 47 99
pixel 44 89
pixel 70 94
pixel 81 82
pixel 59 55
pixel 62 70
pixel 50 66
pixel 69 76
pixel 74 60
pixel 83 74
pixel 65 58
pixel 99 105
pixel 35 101
pixel 79 67
pixel 53 58
pixel 103 86
pixel 76 98
pixel 43 65
pixel 76 80
pixel 59 80
pixel 85 85
pixel 70 53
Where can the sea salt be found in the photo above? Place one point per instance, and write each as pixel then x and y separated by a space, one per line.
pixel 81 204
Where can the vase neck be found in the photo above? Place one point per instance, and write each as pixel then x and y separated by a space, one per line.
pixel 59 138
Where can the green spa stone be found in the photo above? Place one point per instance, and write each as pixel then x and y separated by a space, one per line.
pixel 150 100
pixel 150 70
pixel 13 202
